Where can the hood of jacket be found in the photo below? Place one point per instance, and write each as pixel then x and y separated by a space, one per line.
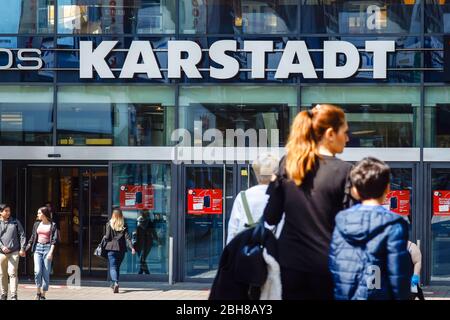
pixel 361 223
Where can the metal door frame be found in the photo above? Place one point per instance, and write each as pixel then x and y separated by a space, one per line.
pixel 83 214
pixel 182 214
pixel 426 227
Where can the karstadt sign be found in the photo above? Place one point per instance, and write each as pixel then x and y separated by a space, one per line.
pixel 184 57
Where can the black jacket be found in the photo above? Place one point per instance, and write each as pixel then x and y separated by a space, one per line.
pixel 232 281
pixel 309 210
pixel 117 240
pixel 34 236
pixel 144 235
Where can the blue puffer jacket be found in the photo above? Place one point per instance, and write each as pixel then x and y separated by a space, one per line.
pixel 367 238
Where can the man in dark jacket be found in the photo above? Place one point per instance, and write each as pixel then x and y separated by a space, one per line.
pixel 12 245
pixel 368 256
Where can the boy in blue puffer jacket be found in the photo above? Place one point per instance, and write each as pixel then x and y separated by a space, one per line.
pixel 368 255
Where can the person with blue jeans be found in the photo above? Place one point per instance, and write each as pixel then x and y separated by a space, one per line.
pixel 42 244
pixel 117 238
pixel 368 257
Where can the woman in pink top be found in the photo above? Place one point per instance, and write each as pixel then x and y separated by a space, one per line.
pixel 42 244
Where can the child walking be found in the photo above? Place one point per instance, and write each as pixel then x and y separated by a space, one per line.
pixel 368 255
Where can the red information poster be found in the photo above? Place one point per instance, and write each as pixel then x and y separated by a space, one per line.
pixel 398 201
pixel 205 201
pixel 137 197
pixel 441 202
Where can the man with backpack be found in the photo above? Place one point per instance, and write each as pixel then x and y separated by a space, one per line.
pixel 12 245
pixel 368 255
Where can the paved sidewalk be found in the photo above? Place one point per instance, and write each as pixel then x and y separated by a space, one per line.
pixel 437 293
pixel 99 290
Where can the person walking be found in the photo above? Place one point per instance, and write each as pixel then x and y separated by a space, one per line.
pixel 12 246
pixel 117 238
pixel 311 187
pixel 248 207
pixel 42 243
pixel 368 255
pixel 416 259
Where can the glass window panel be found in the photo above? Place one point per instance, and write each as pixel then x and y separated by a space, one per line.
pixel 120 116
pixel 440 225
pixel 238 16
pixel 434 59
pixel 437 117
pixel 354 16
pixel 26 116
pixel 437 16
pixel 222 108
pixel 116 17
pixel 27 16
pixel 381 116
pixel 148 187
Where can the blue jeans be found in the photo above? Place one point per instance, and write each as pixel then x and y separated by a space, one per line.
pixel 42 266
pixel 115 259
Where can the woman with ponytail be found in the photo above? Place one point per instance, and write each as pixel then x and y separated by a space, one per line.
pixel 310 189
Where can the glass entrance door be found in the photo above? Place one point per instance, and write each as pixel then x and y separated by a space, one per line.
pixel 209 194
pixel 79 198
pixel 60 187
pixel 94 216
pixel 439 203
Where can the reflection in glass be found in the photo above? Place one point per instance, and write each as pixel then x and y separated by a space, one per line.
pixel 148 223
pixel 116 17
pixel 434 59
pixel 127 116
pixel 223 108
pixel 27 16
pixel 437 16
pixel 354 16
pixel 204 232
pixel 238 16
pixel 440 227
pixel 26 116
pixel 380 125
pixel 381 117
pixel 437 117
